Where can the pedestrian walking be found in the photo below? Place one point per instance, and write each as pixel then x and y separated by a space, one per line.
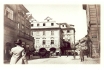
pixel 81 47
pixel 81 54
pixel 18 53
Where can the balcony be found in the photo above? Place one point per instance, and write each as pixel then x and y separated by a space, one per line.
pixel 93 18
pixel 92 13
pixel 92 9
pixel 26 36
pixel 93 28
pixel 93 22
pixel 91 6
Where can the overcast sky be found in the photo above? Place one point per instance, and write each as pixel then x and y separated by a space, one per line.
pixel 71 14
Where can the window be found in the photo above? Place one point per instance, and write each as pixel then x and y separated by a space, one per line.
pixel 43 32
pixel 31 25
pixel 43 38
pixel 52 32
pixel 19 18
pixel 44 42
pixel 94 36
pixel 63 25
pixel 18 25
pixel 48 20
pixel 27 31
pixel 22 28
pixel 22 20
pixel 68 31
pixel 52 41
pixel 37 41
pixel 43 24
pixel 37 24
pixel 37 33
pixel 52 24
pixel 37 38
pixel 32 33
pixel 9 13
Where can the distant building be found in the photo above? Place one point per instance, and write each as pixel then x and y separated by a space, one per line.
pixel 47 34
pixel 68 33
pixel 68 37
pixel 93 24
pixel 16 26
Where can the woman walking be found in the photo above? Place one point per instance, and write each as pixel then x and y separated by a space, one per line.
pixel 18 53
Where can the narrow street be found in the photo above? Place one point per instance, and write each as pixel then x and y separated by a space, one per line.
pixel 63 60
pixel 51 34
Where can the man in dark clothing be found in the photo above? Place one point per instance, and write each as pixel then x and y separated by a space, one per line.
pixel 82 54
pixel 81 51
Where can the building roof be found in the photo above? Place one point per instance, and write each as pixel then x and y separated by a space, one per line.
pixel 24 7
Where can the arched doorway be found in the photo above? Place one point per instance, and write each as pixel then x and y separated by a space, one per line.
pixel 65 50
pixel 43 53
pixel 52 50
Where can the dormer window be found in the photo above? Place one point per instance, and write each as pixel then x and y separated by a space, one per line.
pixel 62 25
pixel 52 24
pixel 43 24
pixel 31 25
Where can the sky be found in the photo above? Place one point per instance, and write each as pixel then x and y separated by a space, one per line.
pixel 68 13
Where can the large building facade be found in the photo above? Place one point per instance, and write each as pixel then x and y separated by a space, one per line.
pixel 93 24
pixel 47 34
pixel 16 26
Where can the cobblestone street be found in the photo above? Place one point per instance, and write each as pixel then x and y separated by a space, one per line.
pixel 62 60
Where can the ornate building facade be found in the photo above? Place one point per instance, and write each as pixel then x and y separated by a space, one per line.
pixel 49 34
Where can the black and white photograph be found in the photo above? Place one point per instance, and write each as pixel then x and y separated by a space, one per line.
pixel 52 33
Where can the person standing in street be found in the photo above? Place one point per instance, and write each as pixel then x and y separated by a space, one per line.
pixel 81 51
pixel 25 61
pixel 18 53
